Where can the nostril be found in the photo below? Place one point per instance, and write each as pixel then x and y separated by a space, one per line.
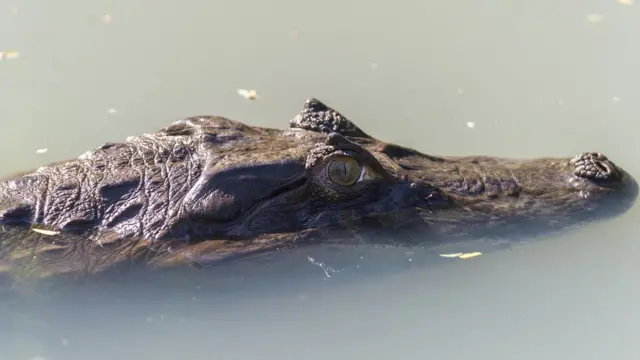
pixel 594 166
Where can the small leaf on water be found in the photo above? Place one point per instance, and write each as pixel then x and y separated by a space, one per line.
pixel 461 255
pixel 470 255
pixel 46 232
pixel 450 255
pixel 9 55
pixel 248 94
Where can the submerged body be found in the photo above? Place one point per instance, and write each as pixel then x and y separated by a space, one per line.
pixel 209 189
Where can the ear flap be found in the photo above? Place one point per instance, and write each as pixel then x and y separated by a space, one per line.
pixel 318 117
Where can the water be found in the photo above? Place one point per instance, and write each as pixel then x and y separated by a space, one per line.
pixel 504 78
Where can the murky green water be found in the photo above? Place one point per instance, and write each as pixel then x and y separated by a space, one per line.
pixel 518 79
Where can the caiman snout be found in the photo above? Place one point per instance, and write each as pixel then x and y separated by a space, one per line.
pixel 596 167
pixel 600 180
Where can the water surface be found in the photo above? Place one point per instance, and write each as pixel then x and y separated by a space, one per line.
pixel 502 78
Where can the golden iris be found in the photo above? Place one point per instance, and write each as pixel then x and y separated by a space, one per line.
pixel 344 171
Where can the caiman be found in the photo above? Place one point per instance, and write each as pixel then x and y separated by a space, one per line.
pixel 207 189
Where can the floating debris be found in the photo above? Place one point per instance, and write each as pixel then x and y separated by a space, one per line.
pixel 459 91
pixel 616 99
pixel 9 55
pixel 328 270
pixel 14 9
pixel 42 151
pixel 471 124
pixel 112 111
pixel 374 66
pixel 595 18
pixel 107 18
pixel 461 255
pixel 450 255
pixel 626 2
pixel 248 94
pixel 46 232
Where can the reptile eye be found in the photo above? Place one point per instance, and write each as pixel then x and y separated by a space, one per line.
pixel 344 170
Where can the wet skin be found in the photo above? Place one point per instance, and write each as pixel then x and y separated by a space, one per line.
pixel 207 189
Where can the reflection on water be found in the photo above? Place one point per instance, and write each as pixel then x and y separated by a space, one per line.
pixel 503 78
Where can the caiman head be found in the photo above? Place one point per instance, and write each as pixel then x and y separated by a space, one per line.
pixel 214 186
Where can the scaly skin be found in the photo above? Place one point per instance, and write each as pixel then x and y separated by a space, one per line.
pixel 208 189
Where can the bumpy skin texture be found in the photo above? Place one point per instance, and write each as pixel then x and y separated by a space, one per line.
pixel 207 189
